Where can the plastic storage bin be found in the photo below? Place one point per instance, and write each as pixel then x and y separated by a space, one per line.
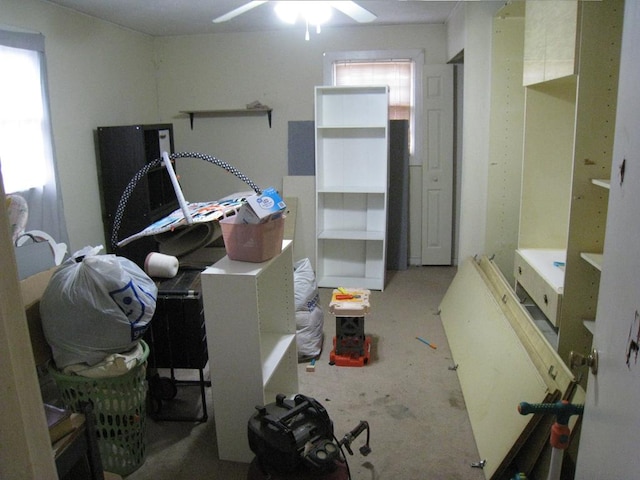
pixel 249 242
pixel 119 406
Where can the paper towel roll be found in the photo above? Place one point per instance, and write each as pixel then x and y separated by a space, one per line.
pixel 161 265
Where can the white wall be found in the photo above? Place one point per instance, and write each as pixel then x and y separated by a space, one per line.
pixel 99 74
pixel 456 31
pixel 279 69
pixel 474 31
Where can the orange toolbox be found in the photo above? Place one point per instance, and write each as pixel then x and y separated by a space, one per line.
pixel 351 347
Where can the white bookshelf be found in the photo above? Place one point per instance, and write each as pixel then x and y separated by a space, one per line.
pixel 352 177
pixel 250 320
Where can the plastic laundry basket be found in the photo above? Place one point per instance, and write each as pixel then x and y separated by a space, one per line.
pixel 119 405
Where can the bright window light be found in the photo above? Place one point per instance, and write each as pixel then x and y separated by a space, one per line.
pixel 398 74
pixel 22 120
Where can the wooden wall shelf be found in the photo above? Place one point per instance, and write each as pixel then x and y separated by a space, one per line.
pixel 235 112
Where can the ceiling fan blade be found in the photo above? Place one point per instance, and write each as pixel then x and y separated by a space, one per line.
pixel 355 11
pixel 238 11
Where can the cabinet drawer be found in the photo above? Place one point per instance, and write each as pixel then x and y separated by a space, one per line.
pixel 549 302
pixel 523 273
pixel 545 296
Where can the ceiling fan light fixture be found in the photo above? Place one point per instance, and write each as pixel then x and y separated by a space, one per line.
pixel 287 11
pixel 314 13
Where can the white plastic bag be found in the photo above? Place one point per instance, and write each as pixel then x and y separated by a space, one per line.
pixel 305 286
pixel 95 306
pixel 309 333
pixel 309 315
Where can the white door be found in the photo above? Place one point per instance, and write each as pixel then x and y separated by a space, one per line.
pixel 611 426
pixel 437 166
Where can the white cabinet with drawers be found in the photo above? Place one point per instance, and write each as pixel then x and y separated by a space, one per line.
pixel 568 131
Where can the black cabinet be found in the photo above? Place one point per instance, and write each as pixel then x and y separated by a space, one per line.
pixel 177 340
pixel 177 335
pixel 122 152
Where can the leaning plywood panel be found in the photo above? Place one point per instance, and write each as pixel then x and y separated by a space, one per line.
pixel 303 187
pixel 495 371
pixel 551 367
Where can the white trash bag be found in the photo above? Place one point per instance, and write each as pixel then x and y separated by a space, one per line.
pixel 309 315
pixel 94 306
pixel 309 333
pixel 305 286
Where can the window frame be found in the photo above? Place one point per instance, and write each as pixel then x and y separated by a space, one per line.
pixel 416 56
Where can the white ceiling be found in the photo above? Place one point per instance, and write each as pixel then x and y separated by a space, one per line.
pixel 190 17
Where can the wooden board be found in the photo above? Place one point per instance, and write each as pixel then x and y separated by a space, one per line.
pixel 32 289
pixel 302 187
pixel 496 373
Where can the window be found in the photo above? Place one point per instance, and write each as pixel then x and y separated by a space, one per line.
pixel 398 70
pixel 26 146
pixel 398 75
pixel 22 121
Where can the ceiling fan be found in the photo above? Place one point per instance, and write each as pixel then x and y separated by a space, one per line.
pixel 308 10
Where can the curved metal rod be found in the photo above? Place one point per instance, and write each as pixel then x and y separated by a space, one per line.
pixel 124 199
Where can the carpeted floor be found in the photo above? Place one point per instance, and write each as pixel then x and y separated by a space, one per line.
pixel 408 393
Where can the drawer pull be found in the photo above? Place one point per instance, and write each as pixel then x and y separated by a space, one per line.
pixel 519 270
pixel 546 299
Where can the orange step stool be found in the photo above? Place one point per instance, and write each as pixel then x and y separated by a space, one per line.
pixel 351 347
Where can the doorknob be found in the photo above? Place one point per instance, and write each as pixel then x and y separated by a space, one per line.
pixel 578 360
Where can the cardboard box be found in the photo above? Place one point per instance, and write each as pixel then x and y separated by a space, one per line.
pixel 32 289
pixel 249 242
pixel 261 208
